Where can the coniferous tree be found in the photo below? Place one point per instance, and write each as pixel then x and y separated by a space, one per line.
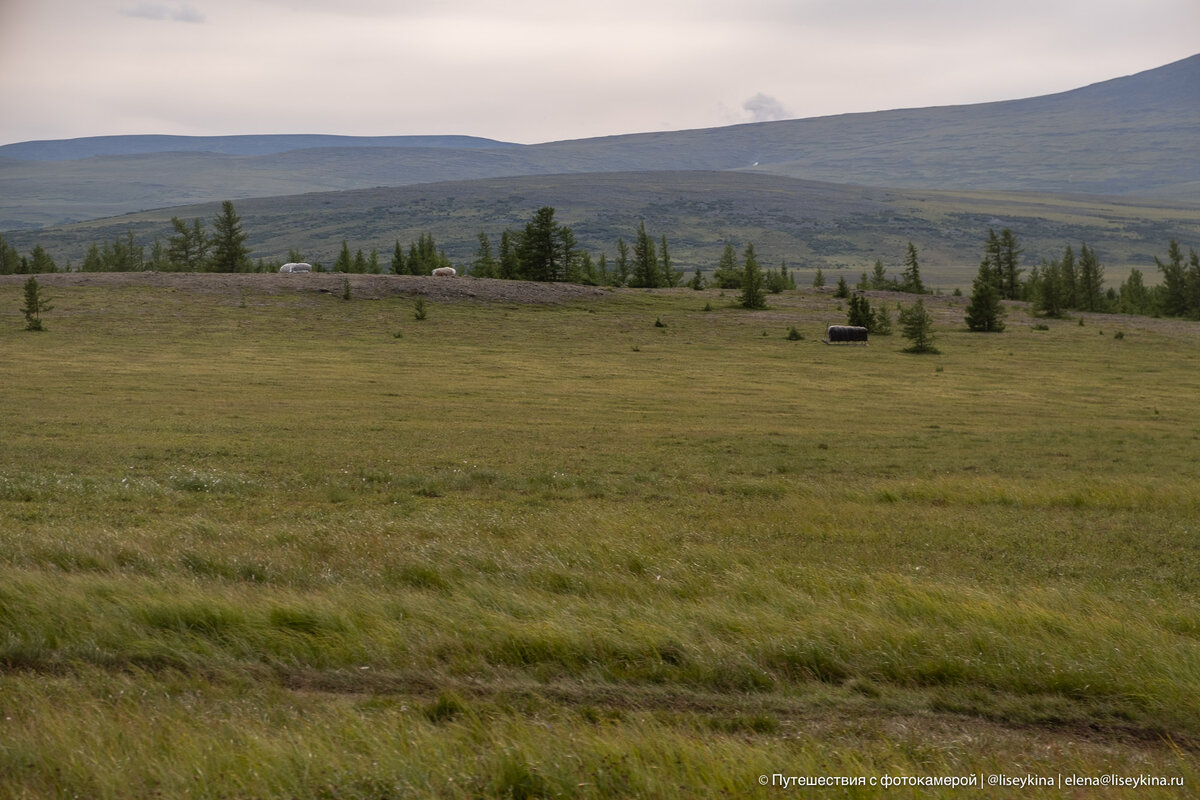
pixel 1069 276
pixel 622 263
pixel 93 261
pixel 646 274
pixel 727 275
pixel 697 282
pixel 879 279
pixel 602 276
pixel 860 312
pixel 1049 290
pixel 1193 283
pixel 484 265
pixel 229 253
pixel 399 267
pixel 917 325
pixel 1091 280
pixel 671 276
pixel 360 262
pixel 40 261
pixel 992 259
pixel 10 259
pixel 910 280
pixel 158 257
pixel 1008 269
pixel 569 254
pixel 753 295
pixel 843 288
pixel 984 312
pixel 587 270
pixel 510 267
pixel 1133 296
pixel 818 279
pixel 881 321
pixel 187 250
pixel 1174 286
pixel 35 304
pixel 344 261
pixel 539 250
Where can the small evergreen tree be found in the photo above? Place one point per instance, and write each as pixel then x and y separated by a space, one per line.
pixel 727 275
pixel 1049 289
pixel 1174 287
pixel 1008 271
pixel 187 250
pixel 646 274
pixel 35 304
pixel 698 282
pixel 917 325
pixel 879 279
pixel 40 261
pixel 10 259
pixel 344 262
pixel 753 295
pixel 860 312
pixel 399 265
pixel 621 273
pixel 818 279
pixel 671 276
pixel 1069 277
pixel 510 265
pixel 1091 280
pixel 984 312
pixel 1134 297
pixel 843 288
pixel 910 280
pixel 229 253
pixel 881 321
pixel 485 265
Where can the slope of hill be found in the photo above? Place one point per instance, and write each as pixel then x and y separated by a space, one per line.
pixel 1135 135
pixel 247 145
pixel 806 224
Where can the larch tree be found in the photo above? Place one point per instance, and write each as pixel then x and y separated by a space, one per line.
pixel 910 279
pixel 753 291
pixel 229 253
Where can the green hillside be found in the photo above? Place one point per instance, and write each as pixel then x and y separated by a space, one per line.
pixel 803 223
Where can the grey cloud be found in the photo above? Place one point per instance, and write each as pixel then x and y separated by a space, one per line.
pixel 764 108
pixel 164 12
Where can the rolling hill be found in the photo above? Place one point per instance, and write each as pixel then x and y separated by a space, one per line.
pixel 1130 136
pixel 807 224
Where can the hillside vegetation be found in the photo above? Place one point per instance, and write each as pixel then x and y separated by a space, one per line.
pixel 805 224
pixel 259 540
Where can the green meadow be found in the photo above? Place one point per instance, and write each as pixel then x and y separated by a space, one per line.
pixel 265 543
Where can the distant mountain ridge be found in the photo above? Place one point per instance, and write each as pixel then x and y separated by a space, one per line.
pixel 242 145
pixel 1132 136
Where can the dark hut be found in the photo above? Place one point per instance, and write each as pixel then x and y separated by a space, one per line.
pixel 845 334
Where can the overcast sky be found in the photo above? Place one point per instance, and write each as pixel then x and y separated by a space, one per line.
pixel 542 70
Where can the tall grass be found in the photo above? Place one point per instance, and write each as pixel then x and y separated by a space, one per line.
pixel 509 555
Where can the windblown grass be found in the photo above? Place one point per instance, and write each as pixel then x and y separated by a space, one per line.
pixel 275 550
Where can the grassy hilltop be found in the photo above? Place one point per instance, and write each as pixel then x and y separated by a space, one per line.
pixel 258 540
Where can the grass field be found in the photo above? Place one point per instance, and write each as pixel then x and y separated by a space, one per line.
pixel 280 544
